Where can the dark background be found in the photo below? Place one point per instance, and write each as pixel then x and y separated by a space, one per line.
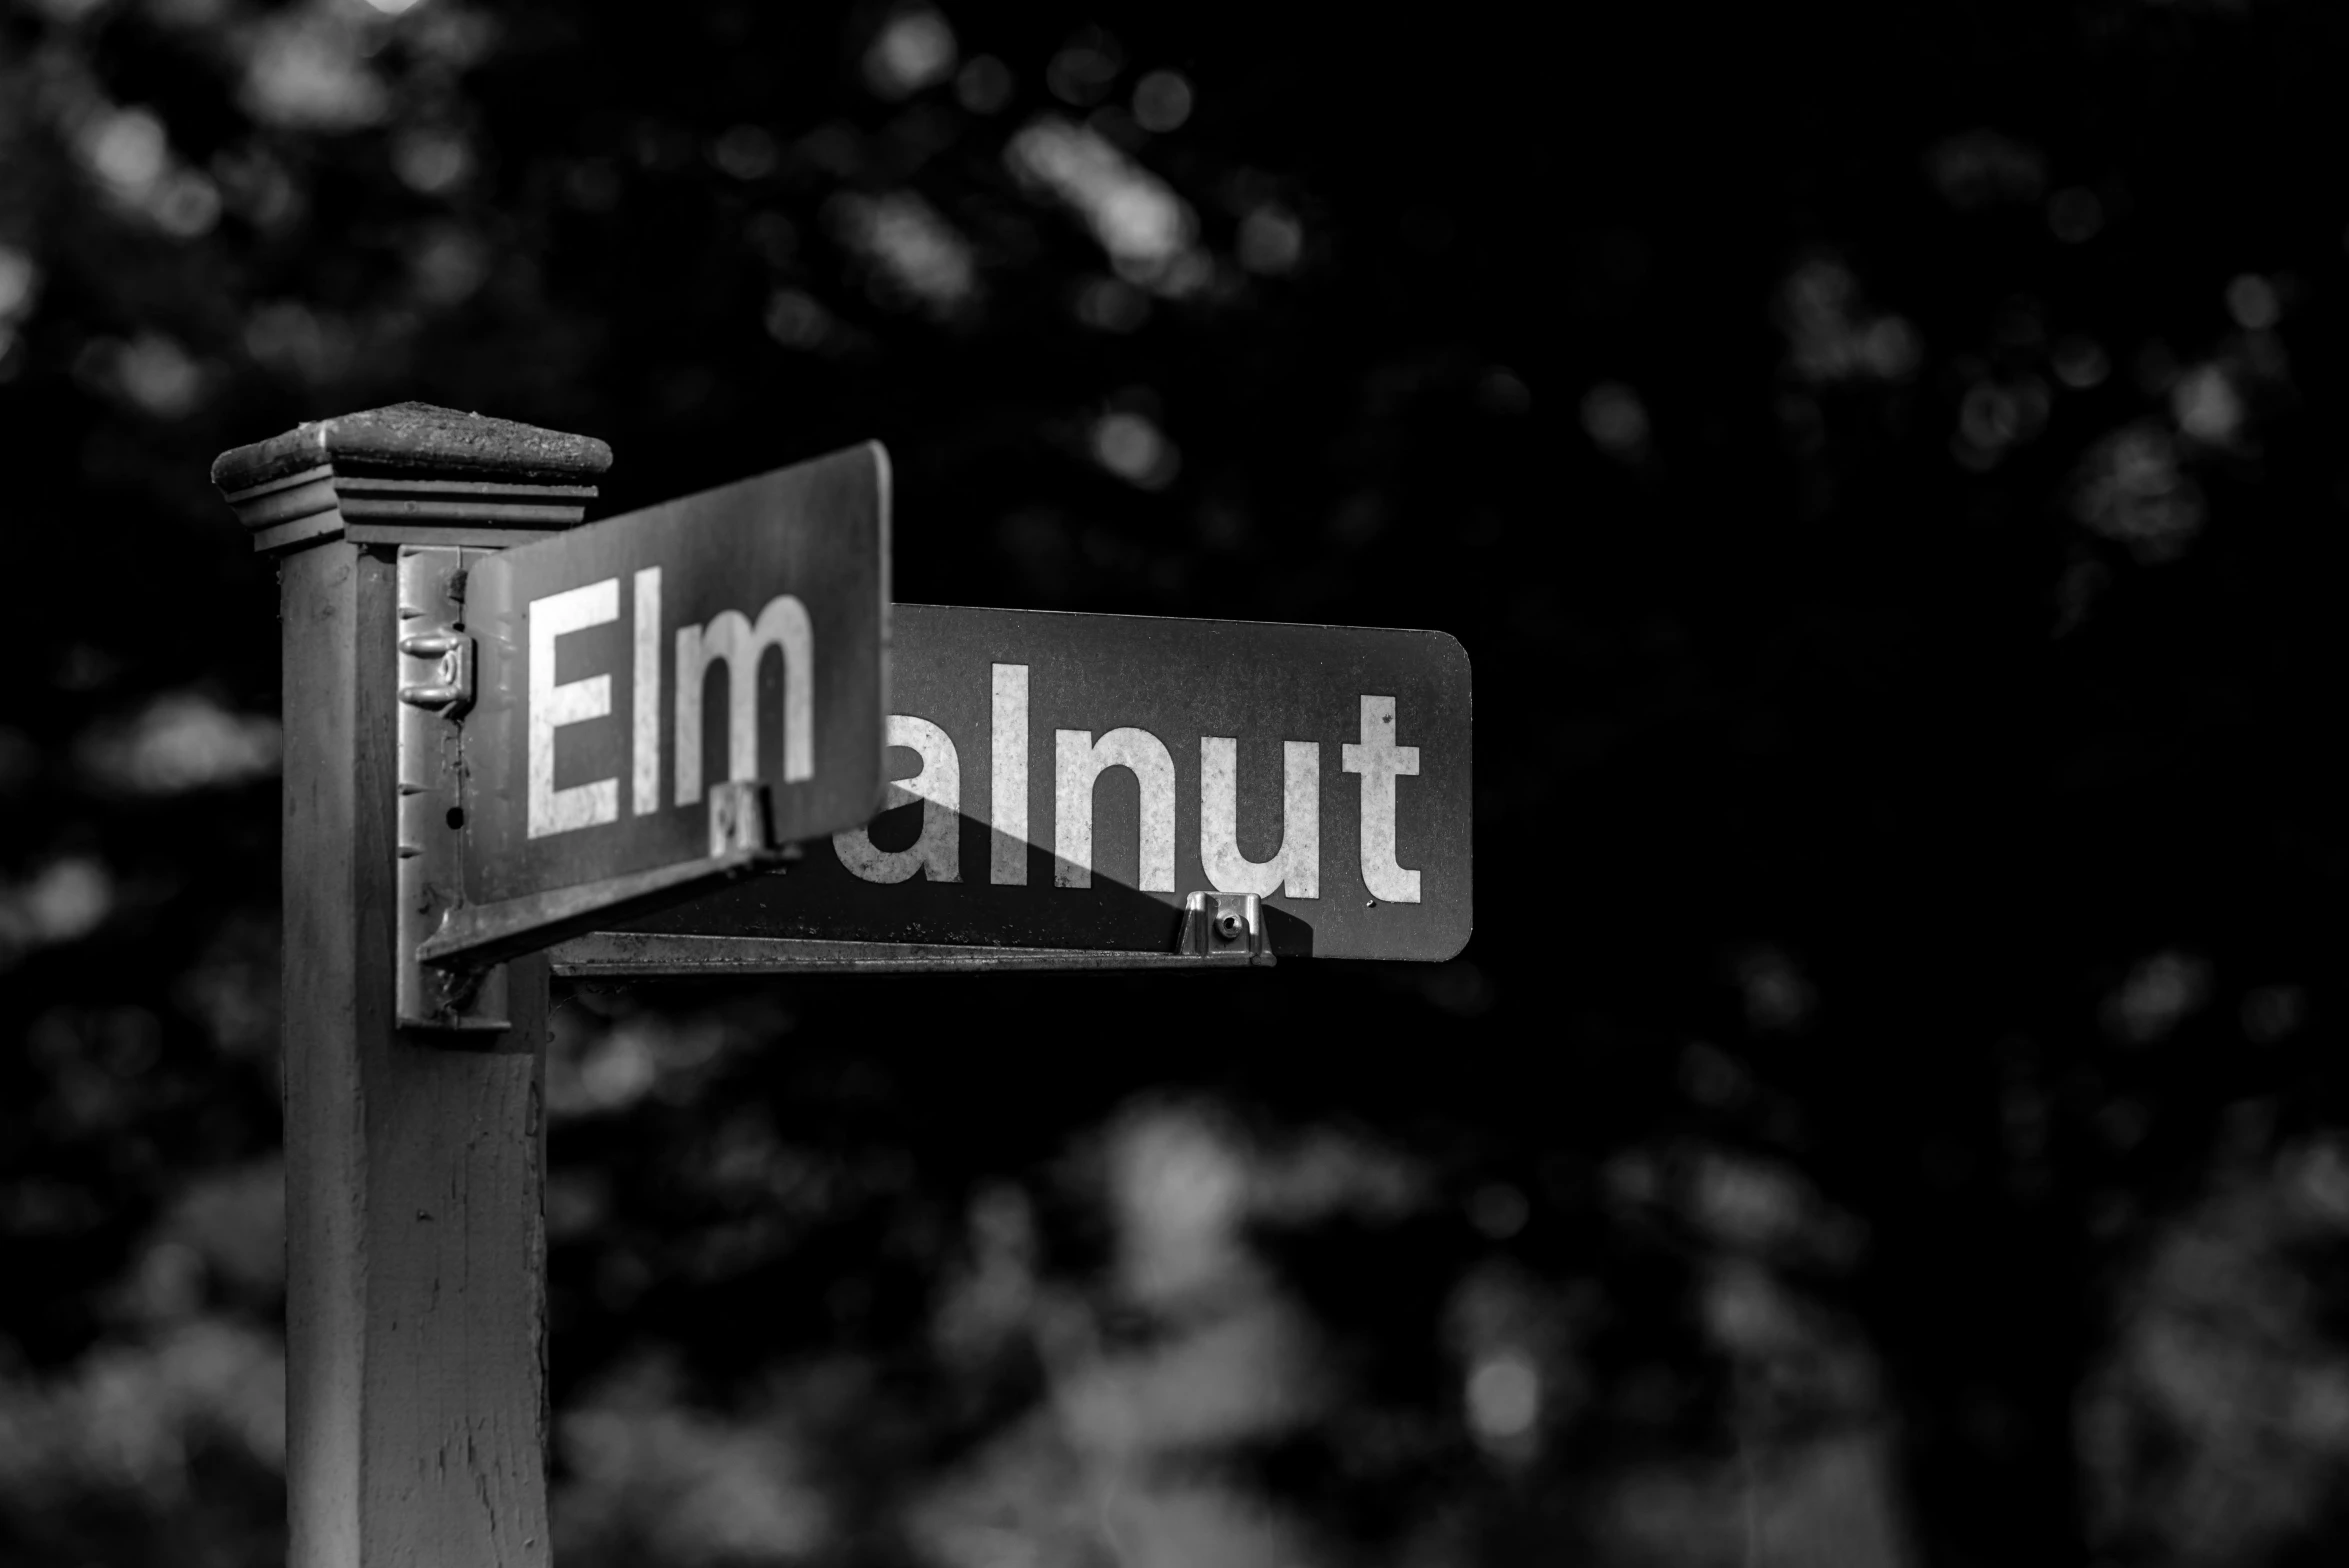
pixel 1882 462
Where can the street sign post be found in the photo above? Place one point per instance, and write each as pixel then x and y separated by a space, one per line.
pixel 1063 784
pixel 496 731
pixel 499 734
pixel 415 1236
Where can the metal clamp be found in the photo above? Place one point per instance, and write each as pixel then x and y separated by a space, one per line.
pixel 435 687
pixel 1222 925
pixel 738 817
pixel 448 688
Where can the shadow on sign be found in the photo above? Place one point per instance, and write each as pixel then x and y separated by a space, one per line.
pixel 820 899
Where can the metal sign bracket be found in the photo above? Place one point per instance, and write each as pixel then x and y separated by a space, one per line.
pixel 1218 931
pixel 469 937
pixel 435 686
pixel 1222 926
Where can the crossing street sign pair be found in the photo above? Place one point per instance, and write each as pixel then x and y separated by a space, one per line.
pixel 695 738
pixel 718 691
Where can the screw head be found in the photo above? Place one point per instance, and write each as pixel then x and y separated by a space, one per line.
pixel 1230 926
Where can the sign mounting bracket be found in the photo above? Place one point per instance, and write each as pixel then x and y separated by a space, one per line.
pixel 1223 926
pixel 1219 931
pixel 435 686
pixel 471 937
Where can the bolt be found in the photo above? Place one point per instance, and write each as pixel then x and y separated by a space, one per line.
pixel 1229 926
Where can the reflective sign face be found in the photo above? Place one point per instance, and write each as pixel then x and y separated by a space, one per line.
pixel 1063 780
pixel 628 666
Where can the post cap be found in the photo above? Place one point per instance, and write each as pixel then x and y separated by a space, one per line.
pixel 412 473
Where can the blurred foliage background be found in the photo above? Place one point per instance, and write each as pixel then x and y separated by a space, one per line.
pixel 1884 463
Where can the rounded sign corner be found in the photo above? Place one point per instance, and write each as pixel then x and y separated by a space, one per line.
pixel 1455 648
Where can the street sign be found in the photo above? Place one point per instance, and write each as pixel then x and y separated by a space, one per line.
pixel 630 671
pixel 500 746
pixel 1064 781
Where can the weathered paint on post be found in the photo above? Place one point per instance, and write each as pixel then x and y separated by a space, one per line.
pixel 416 1311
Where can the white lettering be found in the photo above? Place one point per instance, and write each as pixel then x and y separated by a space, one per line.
pixel 552 706
pixel 1079 762
pixel 1380 762
pixel 783 624
pixel 938 852
pixel 1007 853
pixel 645 799
pixel 1297 867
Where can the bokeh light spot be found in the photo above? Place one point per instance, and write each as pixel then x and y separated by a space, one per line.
pixel 1615 419
pixel 128 150
pixel 913 51
pixel 1143 226
pixel 2252 301
pixel 181 741
pixel 2158 995
pixel 67 899
pixel 2132 490
pixel 983 86
pixel 2074 215
pixel 2271 1012
pixel 1111 305
pixel 1504 1397
pixel 796 320
pixel 1271 239
pixel 1498 1210
pixel 19 277
pixel 747 152
pixel 2080 362
pixel 1162 102
pixel 1081 73
pixel 1130 446
pixel 914 249
pixel 2207 405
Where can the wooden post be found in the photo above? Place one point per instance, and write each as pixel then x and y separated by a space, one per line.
pixel 415 1238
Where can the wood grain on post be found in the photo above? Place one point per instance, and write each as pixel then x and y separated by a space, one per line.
pixel 416 1245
